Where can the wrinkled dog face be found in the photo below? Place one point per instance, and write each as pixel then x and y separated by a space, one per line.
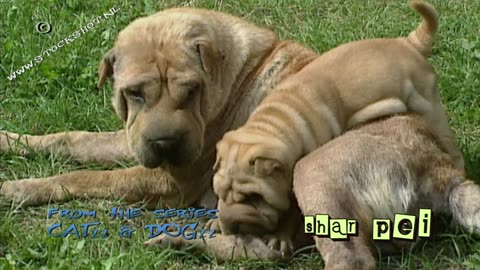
pixel 164 74
pixel 253 184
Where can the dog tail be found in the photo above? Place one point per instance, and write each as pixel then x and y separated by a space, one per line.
pixel 424 35
pixel 465 205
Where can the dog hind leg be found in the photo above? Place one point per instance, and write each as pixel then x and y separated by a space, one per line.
pixel 343 255
pixel 377 110
pixel 436 117
pixel 439 120
pixel 353 253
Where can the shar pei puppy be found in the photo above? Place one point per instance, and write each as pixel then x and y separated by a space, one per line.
pixel 182 77
pixel 346 86
pixel 394 165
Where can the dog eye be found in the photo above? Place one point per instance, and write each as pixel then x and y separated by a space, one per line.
pixel 135 95
pixel 253 198
pixel 192 90
pixel 189 91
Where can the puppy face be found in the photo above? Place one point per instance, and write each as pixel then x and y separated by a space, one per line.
pixel 253 182
pixel 165 70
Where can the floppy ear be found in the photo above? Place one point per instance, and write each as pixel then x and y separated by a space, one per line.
pixel 219 146
pixel 207 55
pixel 105 69
pixel 266 166
pixel 216 166
pixel 120 105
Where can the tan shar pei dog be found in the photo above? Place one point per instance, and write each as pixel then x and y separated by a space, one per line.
pixel 395 165
pixel 182 77
pixel 346 86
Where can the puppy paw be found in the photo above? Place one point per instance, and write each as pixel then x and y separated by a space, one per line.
pixel 213 224
pixel 280 243
pixel 165 241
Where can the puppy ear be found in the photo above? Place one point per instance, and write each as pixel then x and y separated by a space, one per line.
pixel 219 147
pixel 266 166
pixel 105 69
pixel 207 55
pixel 216 166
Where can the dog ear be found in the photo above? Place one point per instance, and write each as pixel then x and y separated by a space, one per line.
pixel 207 55
pixel 219 147
pixel 266 166
pixel 120 105
pixel 268 159
pixel 105 69
pixel 216 166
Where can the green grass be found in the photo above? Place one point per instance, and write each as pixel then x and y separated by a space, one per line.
pixel 59 94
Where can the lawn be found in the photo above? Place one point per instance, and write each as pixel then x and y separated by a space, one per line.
pixel 58 93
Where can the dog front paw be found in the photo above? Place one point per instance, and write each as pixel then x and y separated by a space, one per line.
pixel 9 141
pixel 17 192
pixel 213 224
pixel 4 141
pixel 165 241
pixel 29 192
pixel 10 193
pixel 279 242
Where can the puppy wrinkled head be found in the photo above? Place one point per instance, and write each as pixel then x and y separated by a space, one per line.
pixel 166 73
pixel 253 182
